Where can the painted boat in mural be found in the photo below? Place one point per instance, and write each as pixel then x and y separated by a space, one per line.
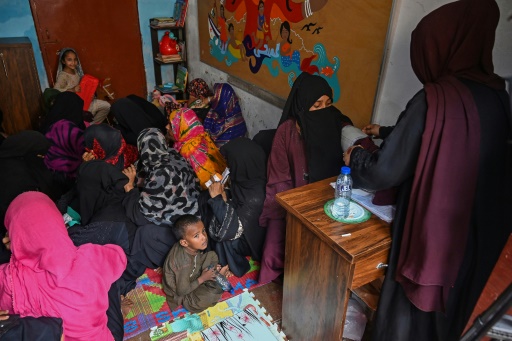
pixel 212 29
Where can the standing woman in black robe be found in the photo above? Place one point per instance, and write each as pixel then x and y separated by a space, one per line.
pixel 231 216
pixel 451 157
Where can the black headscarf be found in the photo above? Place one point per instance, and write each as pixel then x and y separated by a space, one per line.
pixel 306 90
pixel 23 143
pixel 247 164
pixel 23 169
pixel 154 115
pixel 99 184
pixel 108 142
pixel 246 161
pixel 68 106
pixel 320 129
pixel 135 114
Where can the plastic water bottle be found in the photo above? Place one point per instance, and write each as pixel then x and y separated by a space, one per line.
pixel 341 205
pixel 221 279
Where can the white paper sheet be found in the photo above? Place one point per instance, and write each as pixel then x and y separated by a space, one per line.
pixel 365 198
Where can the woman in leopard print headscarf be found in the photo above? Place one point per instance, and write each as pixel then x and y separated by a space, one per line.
pixel 170 187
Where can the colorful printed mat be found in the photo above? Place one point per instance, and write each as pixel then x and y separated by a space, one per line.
pixel 238 318
pixel 150 308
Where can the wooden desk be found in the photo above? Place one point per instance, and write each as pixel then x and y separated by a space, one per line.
pixel 321 266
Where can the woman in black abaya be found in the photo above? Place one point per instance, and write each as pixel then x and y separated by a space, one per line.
pixel 450 158
pixel 231 215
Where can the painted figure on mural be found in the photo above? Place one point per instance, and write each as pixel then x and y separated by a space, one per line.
pixel 288 56
pixel 221 24
pixel 292 11
pixel 235 47
pixel 262 27
pixel 253 36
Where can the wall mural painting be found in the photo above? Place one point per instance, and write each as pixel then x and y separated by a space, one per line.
pixel 268 43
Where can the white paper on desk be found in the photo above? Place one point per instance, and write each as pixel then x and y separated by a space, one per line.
pixel 365 198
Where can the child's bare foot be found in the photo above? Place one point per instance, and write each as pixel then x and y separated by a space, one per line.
pixel 225 271
pixel 158 270
pixel 126 305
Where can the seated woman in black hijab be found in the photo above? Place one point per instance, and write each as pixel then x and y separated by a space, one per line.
pixel 68 106
pixel 134 114
pixel 306 148
pixel 100 183
pixel 231 215
pixel 23 169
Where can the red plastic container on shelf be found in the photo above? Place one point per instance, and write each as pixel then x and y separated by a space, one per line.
pixel 168 44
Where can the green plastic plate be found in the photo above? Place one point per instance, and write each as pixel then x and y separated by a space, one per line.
pixel 357 213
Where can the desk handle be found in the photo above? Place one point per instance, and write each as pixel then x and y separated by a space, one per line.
pixel 381 266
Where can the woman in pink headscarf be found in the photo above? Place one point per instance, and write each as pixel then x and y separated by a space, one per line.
pixel 48 276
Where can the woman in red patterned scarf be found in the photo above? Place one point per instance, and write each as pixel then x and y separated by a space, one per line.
pixel 102 142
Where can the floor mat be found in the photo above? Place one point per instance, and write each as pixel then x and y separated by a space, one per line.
pixel 237 318
pixel 150 308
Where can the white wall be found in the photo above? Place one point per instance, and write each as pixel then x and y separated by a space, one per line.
pixel 398 82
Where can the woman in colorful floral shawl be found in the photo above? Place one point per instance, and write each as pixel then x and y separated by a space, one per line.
pixel 194 144
pixel 224 121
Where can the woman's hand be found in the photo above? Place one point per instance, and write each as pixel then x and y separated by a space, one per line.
pixel 346 155
pixel 130 173
pixel 4 315
pixel 88 156
pixel 216 188
pixel 77 88
pixel 7 241
pixel 371 129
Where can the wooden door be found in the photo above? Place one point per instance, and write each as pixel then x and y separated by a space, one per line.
pixel 21 92
pixel 105 34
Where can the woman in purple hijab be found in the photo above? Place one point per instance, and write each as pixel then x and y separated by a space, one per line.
pixel 450 157
pixel 67 146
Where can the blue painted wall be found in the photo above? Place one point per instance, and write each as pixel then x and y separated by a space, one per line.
pixel 150 9
pixel 16 21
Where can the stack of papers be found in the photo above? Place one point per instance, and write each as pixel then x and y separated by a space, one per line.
pixel 365 198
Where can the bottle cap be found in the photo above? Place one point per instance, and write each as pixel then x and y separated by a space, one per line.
pixel 345 170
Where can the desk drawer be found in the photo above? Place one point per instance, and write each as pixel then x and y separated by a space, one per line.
pixel 366 270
